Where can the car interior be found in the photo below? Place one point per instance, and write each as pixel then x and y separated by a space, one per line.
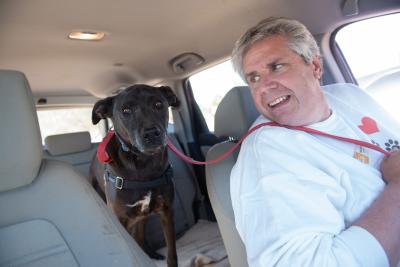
pixel 57 58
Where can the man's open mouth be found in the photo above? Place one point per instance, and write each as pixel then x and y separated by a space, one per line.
pixel 279 101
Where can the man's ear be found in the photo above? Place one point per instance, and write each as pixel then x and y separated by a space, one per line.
pixel 102 109
pixel 172 99
pixel 317 67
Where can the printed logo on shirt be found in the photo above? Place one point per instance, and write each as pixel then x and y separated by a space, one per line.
pixel 368 125
pixel 392 145
pixel 361 154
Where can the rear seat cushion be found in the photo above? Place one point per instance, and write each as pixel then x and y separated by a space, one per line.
pixel 34 243
pixel 72 209
pixel 68 143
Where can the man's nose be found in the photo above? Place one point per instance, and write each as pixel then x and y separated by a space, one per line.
pixel 266 82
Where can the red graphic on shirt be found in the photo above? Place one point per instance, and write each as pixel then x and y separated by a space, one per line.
pixel 368 125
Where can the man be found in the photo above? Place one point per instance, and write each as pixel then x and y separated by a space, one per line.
pixel 305 200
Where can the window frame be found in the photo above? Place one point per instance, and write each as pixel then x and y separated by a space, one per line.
pixel 339 57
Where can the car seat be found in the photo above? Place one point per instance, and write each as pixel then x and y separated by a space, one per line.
pixel 234 116
pixel 50 215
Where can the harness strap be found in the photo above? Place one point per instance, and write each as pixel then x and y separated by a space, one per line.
pixel 121 183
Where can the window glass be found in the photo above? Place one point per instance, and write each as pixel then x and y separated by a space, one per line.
pixel 372 51
pixel 210 86
pixel 170 117
pixel 69 120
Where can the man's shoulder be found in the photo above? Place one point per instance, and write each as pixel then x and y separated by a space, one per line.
pixel 341 95
pixel 343 90
pixel 274 136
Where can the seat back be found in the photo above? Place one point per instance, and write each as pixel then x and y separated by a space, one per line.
pixel 50 215
pixel 21 155
pixel 74 148
pixel 233 118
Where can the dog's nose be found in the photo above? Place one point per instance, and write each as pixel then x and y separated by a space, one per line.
pixel 151 133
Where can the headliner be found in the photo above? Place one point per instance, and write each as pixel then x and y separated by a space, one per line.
pixel 142 37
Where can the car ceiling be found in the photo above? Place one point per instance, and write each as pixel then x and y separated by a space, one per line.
pixel 141 37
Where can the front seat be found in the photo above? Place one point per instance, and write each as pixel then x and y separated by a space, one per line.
pixel 233 118
pixel 50 215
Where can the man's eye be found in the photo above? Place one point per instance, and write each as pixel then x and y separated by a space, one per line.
pixel 253 78
pixel 126 110
pixel 276 67
pixel 158 105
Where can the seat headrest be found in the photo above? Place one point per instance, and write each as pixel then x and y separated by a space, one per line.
pixel 62 144
pixel 235 113
pixel 20 142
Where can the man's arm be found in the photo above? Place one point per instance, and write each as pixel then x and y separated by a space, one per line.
pixel 289 212
pixel 382 219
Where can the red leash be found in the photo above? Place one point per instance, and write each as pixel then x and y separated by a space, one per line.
pixel 300 128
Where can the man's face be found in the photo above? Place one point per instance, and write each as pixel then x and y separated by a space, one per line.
pixel 284 87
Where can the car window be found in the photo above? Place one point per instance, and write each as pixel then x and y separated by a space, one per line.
pixel 209 87
pixel 68 120
pixel 372 50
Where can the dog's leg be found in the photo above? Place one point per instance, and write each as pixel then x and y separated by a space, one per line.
pixel 169 235
pixel 98 189
pixel 138 234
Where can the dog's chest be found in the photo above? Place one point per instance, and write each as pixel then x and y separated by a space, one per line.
pixel 142 204
pixel 133 204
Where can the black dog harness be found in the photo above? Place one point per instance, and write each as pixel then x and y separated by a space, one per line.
pixel 121 183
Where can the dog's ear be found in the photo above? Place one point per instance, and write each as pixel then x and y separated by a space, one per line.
pixel 102 109
pixel 172 99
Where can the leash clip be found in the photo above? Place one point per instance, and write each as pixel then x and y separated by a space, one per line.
pixel 119 182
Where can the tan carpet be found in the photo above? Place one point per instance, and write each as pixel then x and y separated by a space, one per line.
pixel 200 246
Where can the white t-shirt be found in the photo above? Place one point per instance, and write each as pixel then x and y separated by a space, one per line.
pixel 295 195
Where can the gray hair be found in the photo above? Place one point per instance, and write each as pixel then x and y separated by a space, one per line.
pixel 300 40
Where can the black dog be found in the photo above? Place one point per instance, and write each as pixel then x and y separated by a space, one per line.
pixel 135 174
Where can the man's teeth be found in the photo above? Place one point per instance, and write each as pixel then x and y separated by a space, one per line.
pixel 277 101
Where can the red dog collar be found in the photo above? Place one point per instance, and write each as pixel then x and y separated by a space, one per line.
pixel 102 154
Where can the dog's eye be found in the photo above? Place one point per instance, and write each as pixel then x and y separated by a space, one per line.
pixel 126 110
pixel 158 105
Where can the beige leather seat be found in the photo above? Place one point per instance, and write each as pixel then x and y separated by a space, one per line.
pixel 49 214
pixel 233 118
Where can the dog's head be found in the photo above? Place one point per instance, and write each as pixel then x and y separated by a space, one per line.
pixel 139 115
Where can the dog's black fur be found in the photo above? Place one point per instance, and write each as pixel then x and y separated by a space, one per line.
pixel 140 118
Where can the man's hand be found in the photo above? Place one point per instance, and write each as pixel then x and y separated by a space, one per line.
pixel 390 168
pixel 382 219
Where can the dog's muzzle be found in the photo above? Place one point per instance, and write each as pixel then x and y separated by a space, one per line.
pixel 151 135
